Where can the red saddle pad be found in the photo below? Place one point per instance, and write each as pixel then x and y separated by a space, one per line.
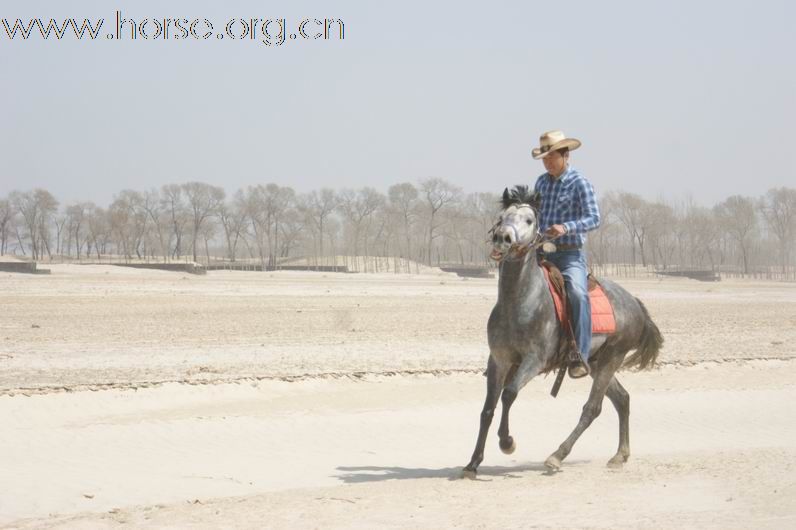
pixel 602 313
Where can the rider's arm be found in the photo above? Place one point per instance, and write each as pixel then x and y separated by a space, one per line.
pixel 591 212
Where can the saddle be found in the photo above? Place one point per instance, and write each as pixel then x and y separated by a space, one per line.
pixel 602 318
pixel 602 313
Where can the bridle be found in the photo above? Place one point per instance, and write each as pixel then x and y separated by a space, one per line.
pixel 516 250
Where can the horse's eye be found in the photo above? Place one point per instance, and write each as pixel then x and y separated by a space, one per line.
pixel 529 222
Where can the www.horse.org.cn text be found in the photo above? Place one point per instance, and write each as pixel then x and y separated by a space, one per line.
pixel 267 31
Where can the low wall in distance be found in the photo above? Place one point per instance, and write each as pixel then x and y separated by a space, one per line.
pixel 703 276
pixel 176 267
pixel 469 272
pixel 27 267
pixel 251 267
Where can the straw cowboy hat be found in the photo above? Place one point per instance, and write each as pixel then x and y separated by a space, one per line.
pixel 552 140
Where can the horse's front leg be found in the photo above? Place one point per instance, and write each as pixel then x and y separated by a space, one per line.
pixel 495 377
pixel 518 376
pixel 507 444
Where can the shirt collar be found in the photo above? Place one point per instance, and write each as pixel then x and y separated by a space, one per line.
pixel 564 176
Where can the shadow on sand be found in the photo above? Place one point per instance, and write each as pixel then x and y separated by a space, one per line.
pixel 359 474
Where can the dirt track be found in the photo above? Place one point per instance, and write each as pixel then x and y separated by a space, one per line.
pixel 713 440
pixel 713 446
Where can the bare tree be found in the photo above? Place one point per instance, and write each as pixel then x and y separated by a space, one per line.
pixel 171 195
pixel 661 225
pixel 466 224
pixel 209 229
pixel 6 213
pixel 291 229
pixel 59 221
pixel 603 242
pixel 156 212
pixel 99 229
pixel 255 210
pixel 128 222
pixel 701 238
pixel 629 210
pixel 357 207
pixel 37 208
pixel 76 217
pixel 74 222
pixel 738 218
pixel 332 229
pixel 438 194
pixel 233 220
pixel 317 208
pixel 17 224
pixel 203 201
pixel 279 200
pixel 403 200
pixel 779 211
pixel 485 208
pixel 456 228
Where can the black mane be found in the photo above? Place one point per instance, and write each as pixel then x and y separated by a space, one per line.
pixel 521 194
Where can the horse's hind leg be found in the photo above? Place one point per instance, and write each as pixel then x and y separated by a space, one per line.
pixel 621 400
pixel 603 375
pixel 495 377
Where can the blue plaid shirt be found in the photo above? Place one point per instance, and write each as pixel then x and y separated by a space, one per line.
pixel 570 201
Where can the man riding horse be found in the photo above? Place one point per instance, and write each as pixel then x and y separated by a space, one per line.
pixel 569 210
pixel 525 329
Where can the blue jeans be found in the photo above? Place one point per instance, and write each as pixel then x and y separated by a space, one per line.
pixel 572 264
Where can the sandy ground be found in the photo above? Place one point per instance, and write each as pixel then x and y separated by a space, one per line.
pixel 93 325
pixel 100 428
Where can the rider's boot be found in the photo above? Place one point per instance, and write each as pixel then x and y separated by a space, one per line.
pixel 578 367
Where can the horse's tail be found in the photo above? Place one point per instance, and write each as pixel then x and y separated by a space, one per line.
pixel 649 345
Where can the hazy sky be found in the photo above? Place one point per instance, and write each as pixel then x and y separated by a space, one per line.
pixel 669 98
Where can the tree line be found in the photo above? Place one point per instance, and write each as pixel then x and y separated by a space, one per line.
pixel 431 222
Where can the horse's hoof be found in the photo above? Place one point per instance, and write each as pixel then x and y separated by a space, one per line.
pixel 468 473
pixel 508 445
pixel 552 463
pixel 617 462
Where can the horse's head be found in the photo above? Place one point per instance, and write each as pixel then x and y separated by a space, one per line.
pixel 517 228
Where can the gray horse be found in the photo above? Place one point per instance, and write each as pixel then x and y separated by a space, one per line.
pixel 525 335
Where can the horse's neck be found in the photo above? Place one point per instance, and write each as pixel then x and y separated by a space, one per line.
pixel 520 279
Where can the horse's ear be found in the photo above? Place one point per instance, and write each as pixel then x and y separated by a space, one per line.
pixel 536 200
pixel 506 200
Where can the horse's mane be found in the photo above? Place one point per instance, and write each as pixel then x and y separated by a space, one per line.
pixel 521 194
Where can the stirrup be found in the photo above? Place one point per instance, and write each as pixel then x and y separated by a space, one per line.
pixel 577 366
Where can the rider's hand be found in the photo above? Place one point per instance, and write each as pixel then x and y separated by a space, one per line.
pixel 556 231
